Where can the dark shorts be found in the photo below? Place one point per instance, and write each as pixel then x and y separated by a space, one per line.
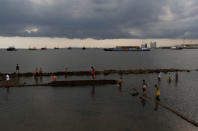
pixel 176 76
pixel 144 89
pixel 157 98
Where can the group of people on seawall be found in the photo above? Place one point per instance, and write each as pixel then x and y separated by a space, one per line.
pixel 40 71
pixel 157 91
pixel 93 73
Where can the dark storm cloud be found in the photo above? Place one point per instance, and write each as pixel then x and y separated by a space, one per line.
pixel 99 18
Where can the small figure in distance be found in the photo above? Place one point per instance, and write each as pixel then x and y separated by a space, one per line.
pixel 36 72
pixel 157 93
pixel 176 75
pixel 17 68
pixel 54 78
pixel 93 73
pixel 7 80
pixel 144 86
pixel 159 76
pixel 119 81
pixel 169 78
pixel 7 77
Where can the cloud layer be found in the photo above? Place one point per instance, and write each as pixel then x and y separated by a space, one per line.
pixel 99 19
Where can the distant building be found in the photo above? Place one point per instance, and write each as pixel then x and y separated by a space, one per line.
pixel 153 45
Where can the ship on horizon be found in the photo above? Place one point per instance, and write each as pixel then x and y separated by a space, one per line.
pixel 11 48
pixel 34 48
pixel 127 48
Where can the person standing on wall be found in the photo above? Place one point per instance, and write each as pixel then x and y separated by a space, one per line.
pixel 17 68
pixel 93 73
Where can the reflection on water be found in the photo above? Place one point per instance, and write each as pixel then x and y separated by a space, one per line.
pixel 120 89
pixel 93 91
pixel 65 76
pixel 41 79
pixel 36 79
pixel 176 82
pixel 143 101
pixel 7 90
pixel 156 106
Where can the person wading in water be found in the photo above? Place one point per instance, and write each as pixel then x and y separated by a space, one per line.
pixel 144 86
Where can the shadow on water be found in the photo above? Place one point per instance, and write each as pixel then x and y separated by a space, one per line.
pixel 143 101
pixel 156 106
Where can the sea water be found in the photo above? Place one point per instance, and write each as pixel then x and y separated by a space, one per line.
pixel 97 108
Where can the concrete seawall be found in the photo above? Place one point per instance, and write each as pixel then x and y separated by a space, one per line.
pixel 104 72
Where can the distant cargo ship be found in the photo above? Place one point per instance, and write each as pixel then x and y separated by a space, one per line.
pixel 11 48
pixel 190 46
pixel 69 48
pixel 176 48
pixel 34 48
pixel 43 48
pixel 83 48
pixel 127 48
pixel 56 48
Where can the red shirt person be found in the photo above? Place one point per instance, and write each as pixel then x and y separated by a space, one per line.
pixel 93 73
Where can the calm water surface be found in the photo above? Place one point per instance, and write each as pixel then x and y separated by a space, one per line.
pixel 78 59
pixel 101 107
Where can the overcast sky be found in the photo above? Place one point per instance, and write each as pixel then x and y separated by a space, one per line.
pixel 99 19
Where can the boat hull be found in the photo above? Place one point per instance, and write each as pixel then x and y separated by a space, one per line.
pixel 127 50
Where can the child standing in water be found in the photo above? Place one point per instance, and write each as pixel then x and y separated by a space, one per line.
pixel 157 93
pixel 144 86
pixel 176 75
pixel 119 81
pixel 169 77
pixel 36 72
pixel 159 76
